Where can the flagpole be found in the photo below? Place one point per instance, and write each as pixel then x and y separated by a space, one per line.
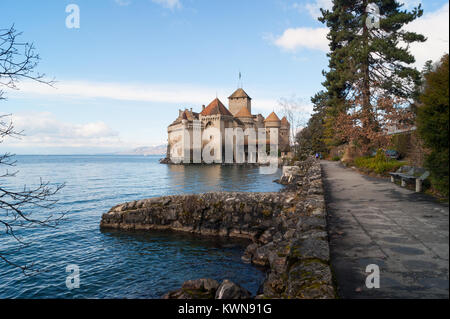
pixel 240 80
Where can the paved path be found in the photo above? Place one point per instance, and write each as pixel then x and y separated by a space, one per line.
pixel 372 221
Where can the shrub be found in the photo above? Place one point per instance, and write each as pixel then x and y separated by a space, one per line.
pixel 433 124
pixel 336 158
pixel 379 163
pixel 380 156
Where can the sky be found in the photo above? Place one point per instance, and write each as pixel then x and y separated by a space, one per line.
pixel 131 65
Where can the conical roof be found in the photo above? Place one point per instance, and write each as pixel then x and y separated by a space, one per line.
pixel 272 118
pixel 239 93
pixel 244 112
pixel 284 121
pixel 214 108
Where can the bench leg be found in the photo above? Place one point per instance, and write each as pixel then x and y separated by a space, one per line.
pixel 418 185
pixel 403 183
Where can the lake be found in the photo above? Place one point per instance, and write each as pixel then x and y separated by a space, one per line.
pixel 117 264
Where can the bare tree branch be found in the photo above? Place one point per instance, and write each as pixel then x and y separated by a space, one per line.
pixel 294 110
pixel 18 61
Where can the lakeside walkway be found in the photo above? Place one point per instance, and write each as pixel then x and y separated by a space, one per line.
pixel 372 221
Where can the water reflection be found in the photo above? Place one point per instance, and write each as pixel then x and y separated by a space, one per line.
pixel 196 178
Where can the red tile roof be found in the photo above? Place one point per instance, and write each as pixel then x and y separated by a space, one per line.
pixel 284 121
pixel 214 108
pixel 239 93
pixel 272 118
pixel 244 112
pixel 185 115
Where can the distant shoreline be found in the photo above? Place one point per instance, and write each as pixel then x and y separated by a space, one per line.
pixel 158 150
pixel 102 154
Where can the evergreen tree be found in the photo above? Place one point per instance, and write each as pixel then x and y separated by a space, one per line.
pixel 316 124
pixel 367 62
pixel 433 123
pixel 310 140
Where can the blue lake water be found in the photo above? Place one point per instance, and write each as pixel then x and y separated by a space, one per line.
pixel 121 264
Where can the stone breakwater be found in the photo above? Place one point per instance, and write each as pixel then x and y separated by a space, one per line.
pixel 287 231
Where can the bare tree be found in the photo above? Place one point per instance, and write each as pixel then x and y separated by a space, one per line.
pixel 297 115
pixel 368 128
pixel 18 61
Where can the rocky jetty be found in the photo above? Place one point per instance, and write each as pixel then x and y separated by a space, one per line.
pixel 287 231
pixel 209 289
pixel 165 160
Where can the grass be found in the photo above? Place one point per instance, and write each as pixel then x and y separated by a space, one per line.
pixel 378 164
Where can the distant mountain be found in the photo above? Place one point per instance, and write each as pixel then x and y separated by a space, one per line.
pixel 146 150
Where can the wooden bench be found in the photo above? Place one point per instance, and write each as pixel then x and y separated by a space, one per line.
pixel 409 173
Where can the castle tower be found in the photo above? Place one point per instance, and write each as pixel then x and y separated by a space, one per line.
pixel 285 131
pixel 238 100
pixel 272 121
pixel 216 115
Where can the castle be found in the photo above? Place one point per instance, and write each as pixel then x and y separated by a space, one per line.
pixel 238 115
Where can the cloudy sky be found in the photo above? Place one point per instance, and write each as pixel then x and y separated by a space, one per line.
pixel 123 75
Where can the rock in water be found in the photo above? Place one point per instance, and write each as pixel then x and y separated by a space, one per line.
pixel 207 285
pixel 230 290
pixel 209 289
pixel 195 289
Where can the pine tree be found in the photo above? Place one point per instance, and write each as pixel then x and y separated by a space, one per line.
pixel 366 63
pixel 337 83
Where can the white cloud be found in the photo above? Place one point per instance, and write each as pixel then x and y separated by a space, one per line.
pixel 180 94
pixel 168 93
pixel 294 39
pixel 310 38
pixel 170 4
pixel 42 129
pixel 313 8
pixel 434 26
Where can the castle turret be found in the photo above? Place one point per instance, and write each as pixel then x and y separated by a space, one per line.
pixel 245 117
pixel 285 123
pixel 272 121
pixel 259 121
pixel 238 100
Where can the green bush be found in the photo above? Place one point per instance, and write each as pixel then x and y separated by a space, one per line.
pixel 336 158
pixel 433 124
pixel 379 163
pixel 380 156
